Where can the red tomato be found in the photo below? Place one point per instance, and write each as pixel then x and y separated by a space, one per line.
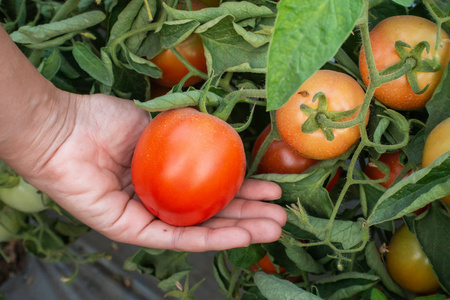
pixel 412 30
pixel 267 266
pixel 408 265
pixel 280 158
pixel 191 49
pixel 392 160
pixel 437 143
pixel 187 166
pixel 343 93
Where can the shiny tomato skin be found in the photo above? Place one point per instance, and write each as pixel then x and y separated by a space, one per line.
pixel 187 166
pixel 408 265
pixel 343 93
pixel 173 70
pixel 412 30
pixel 279 157
pixel 436 144
pixel 392 160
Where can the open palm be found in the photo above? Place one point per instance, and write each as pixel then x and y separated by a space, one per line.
pixel 88 174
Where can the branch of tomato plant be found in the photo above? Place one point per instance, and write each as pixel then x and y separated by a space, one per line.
pixel 193 71
pixel 439 19
pixel 241 95
pixel 273 135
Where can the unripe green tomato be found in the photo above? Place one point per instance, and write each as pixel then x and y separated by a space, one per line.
pixel 10 222
pixel 408 265
pixel 24 197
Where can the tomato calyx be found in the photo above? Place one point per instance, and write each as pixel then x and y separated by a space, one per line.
pixel 317 118
pixel 410 63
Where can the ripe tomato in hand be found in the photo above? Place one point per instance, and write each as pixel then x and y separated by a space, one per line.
pixel 343 93
pixel 191 49
pixel 412 30
pixel 280 158
pixel 437 143
pixel 408 265
pixel 187 166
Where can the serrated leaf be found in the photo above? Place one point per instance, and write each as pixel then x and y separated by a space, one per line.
pixel 314 31
pixel 274 288
pixel 51 64
pixel 246 257
pixel 347 233
pixel 301 257
pixel 414 192
pixel 92 64
pixel 125 19
pixel 345 285
pixel 174 32
pixel 178 100
pixel 231 52
pixel 40 33
pixel 306 188
pixel 238 10
pixel 141 65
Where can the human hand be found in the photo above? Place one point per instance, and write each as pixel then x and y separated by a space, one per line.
pixel 87 172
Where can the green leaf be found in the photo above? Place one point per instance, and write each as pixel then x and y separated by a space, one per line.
pixel 91 64
pixel 40 33
pixel 306 188
pixel 274 288
pixel 440 99
pixel 405 3
pixel 238 10
pixel 246 257
pixel 434 237
pixel 142 19
pixel 227 50
pixel 345 285
pixel 51 64
pixel 178 100
pixel 125 19
pixel 374 261
pixel 314 31
pixel 175 32
pixel 141 65
pixel 377 295
pixel 301 257
pixel 162 264
pixel 347 233
pixel 414 192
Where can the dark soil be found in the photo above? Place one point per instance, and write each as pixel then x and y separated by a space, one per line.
pixel 15 253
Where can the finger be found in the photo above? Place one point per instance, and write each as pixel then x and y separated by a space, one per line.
pixel 245 209
pixel 261 230
pixel 255 189
pixel 137 226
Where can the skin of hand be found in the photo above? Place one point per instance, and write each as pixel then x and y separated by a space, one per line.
pixel 78 148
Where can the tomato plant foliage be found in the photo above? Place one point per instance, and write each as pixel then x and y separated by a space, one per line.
pixel 258 54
